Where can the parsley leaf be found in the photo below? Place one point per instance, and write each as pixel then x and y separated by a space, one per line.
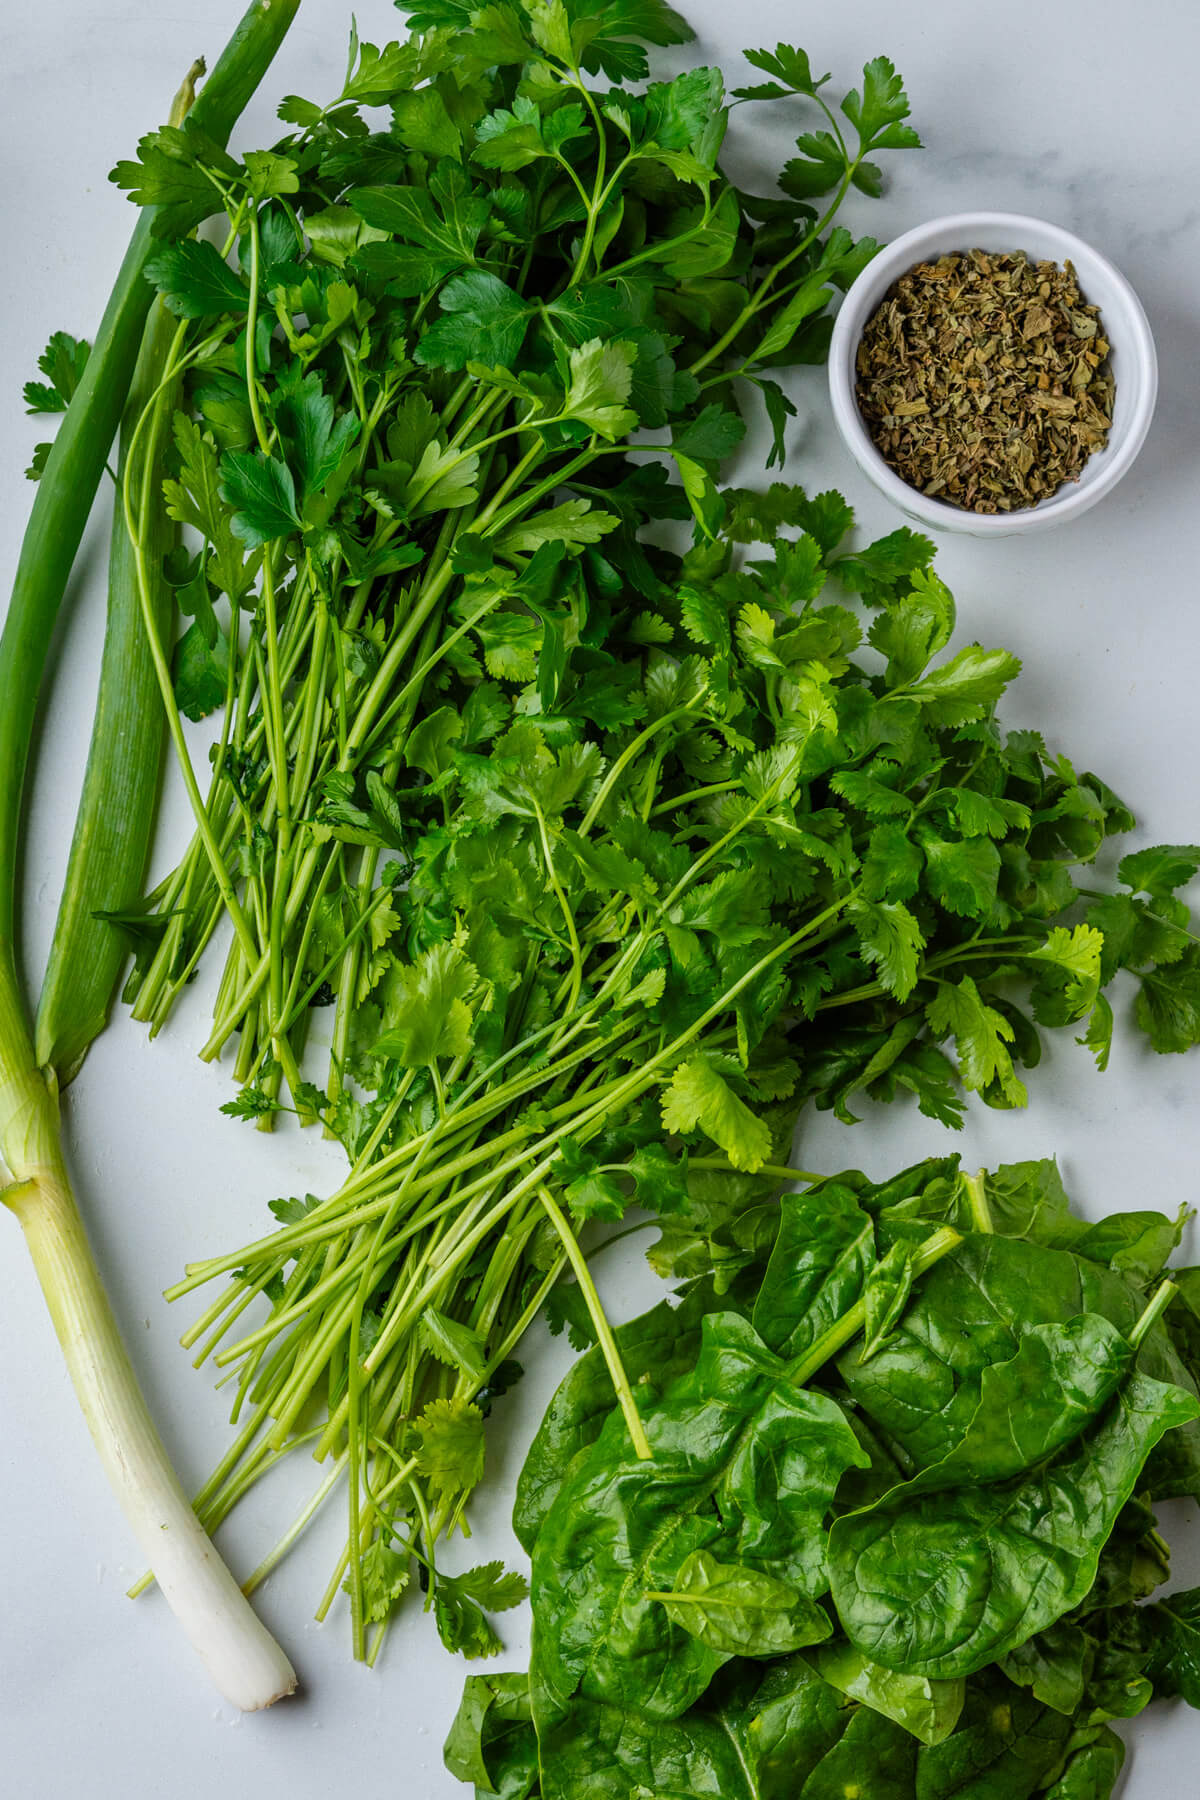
pixel 194 280
pixel 62 362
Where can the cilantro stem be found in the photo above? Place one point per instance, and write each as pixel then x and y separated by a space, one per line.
pixel 604 1336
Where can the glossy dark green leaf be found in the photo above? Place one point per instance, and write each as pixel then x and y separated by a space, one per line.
pixel 1005 1748
pixel 731 1433
pixel 740 1611
pixel 929 1710
pixel 943 1584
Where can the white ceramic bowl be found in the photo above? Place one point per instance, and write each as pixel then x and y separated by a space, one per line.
pixel 1134 364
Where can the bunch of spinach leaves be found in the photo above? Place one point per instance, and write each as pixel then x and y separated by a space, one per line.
pixel 898 1518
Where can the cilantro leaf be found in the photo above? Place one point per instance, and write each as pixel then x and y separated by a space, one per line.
pixel 967 686
pixel 881 570
pixel 385 1575
pixel 453 1343
pixel 1099 1034
pixel 294 1212
pixel 962 874
pixel 890 938
pixel 698 1095
pixel 1076 952
pixel 492 1586
pixel 250 1103
pixel 566 1309
pixel 429 1017
pixel 1168 1004
pixel 1160 869
pixel 981 1036
pixel 448 1440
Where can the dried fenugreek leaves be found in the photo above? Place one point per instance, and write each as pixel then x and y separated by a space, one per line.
pixel 983 379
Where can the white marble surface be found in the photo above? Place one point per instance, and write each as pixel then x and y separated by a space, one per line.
pixel 1083 116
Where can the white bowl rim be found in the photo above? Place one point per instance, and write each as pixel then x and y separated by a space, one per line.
pixel 1136 343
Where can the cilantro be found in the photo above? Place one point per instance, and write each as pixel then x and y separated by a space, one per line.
pixel 700 1095
pixel 448 1439
pixel 250 1103
pixel 428 1015
pixel 890 938
pixel 385 1575
pixel 566 1310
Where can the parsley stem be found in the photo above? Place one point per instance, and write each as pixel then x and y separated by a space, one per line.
pixel 762 292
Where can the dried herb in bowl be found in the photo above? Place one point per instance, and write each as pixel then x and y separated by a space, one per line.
pixel 984 379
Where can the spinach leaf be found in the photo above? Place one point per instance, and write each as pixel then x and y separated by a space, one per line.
pixel 941 1583
pixel 1092 1771
pixel 492 1741
pixel 654 1349
pixel 739 1611
pixel 870 1741
pixel 1176 1662
pixel 1006 1746
pixel 1053 1664
pixel 823 1251
pixel 927 1709
pixel 971 1313
pixel 753 1737
pixel 743 1464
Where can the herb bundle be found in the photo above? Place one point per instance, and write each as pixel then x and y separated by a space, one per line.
pixel 899 1515
pixel 596 860
pixel 630 954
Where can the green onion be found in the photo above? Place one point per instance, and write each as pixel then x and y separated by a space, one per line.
pixel 245 1662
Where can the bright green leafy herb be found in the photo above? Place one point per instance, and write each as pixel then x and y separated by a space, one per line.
pixel 580 858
